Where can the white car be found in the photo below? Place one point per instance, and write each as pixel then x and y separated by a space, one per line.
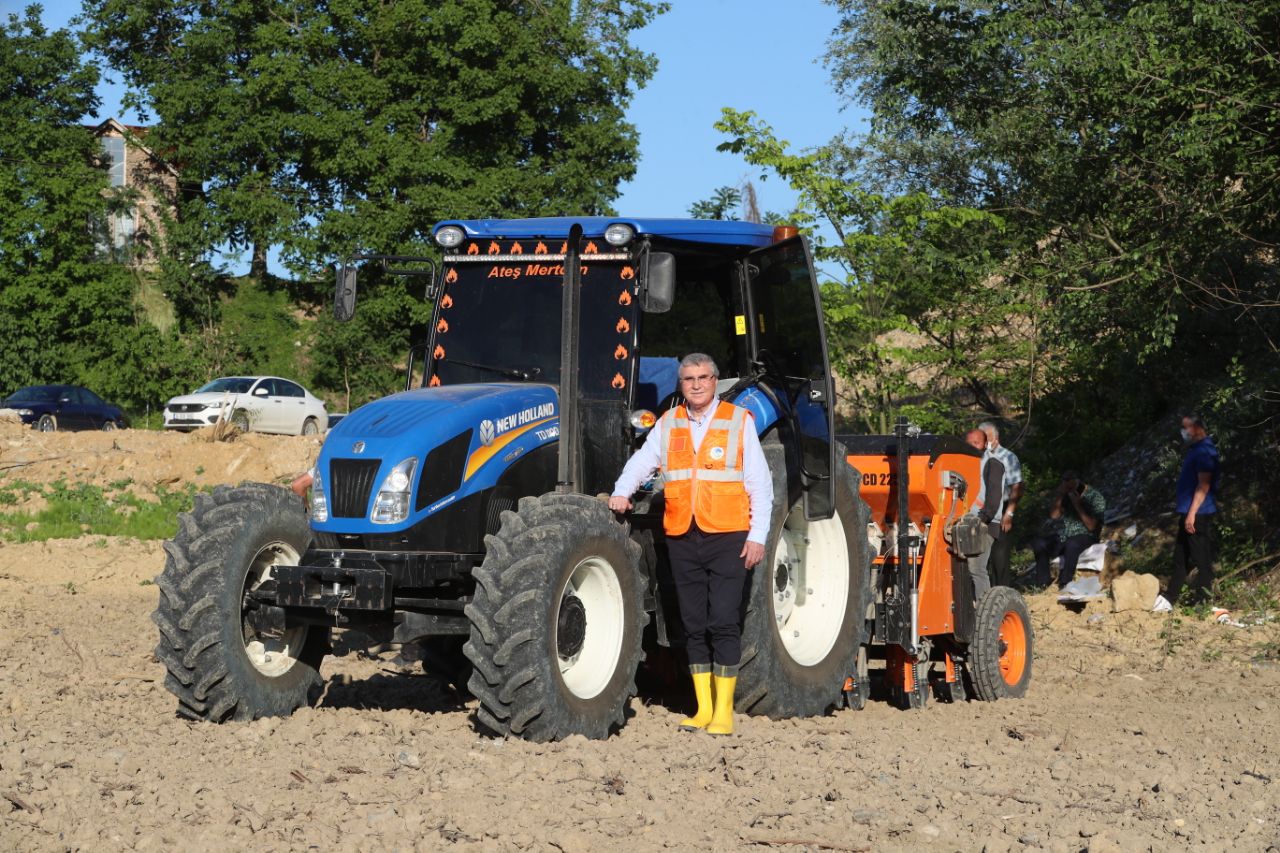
pixel 258 403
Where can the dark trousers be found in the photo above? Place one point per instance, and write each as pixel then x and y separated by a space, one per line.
pixel 1192 548
pixel 999 563
pixel 710 579
pixel 1048 547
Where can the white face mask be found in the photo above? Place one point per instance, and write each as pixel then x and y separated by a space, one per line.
pixel 1186 435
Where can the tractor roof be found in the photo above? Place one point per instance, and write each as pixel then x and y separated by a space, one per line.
pixel 723 232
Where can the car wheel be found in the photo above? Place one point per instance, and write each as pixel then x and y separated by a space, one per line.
pixel 108 426
pixel 240 420
pixel 47 423
pixel 310 427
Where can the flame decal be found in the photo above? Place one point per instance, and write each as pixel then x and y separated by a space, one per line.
pixel 623 326
pixel 494 248
pixel 451 276
pixel 540 249
pixel 442 326
pixel 473 249
pixel 624 298
pixel 620 353
pixel 564 248
pixel 447 302
pixel 517 249
pixel 628 273
pixel 591 249
pixel 434 383
pixel 439 352
pixel 618 382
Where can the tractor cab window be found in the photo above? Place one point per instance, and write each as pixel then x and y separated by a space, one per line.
pixel 500 322
pixel 702 319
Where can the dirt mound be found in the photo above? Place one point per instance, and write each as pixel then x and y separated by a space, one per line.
pixel 150 460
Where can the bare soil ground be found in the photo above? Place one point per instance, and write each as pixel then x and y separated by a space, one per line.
pixel 1139 732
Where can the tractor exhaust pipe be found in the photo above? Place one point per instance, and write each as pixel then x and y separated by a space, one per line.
pixel 570 312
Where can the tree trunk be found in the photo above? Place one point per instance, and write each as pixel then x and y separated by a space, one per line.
pixel 258 266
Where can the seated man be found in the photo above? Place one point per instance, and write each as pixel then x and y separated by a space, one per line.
pixel 1081 507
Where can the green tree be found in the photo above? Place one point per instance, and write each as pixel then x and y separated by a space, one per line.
pixel 919 323
pixel 1131 147
pixel 61 304
pixel 720 206
pixel 325 128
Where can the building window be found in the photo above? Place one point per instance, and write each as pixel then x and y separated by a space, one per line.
pixel 113 146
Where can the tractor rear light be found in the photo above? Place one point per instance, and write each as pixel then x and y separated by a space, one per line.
pixel 619 234
pixel 450 236
pixel 319 502
pixel 643 419
pixel 391 506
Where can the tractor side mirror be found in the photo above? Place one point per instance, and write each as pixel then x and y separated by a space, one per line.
pixel 344 301
pixel 659 283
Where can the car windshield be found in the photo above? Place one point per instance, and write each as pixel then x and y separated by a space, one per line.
pixel 501 321
pixel 228 385
pixel 35 394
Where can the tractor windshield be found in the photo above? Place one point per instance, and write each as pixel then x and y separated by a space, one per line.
pixel 501 321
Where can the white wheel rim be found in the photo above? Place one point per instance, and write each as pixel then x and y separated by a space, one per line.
pixel 810 585
pixel 589 671
pixel 271 656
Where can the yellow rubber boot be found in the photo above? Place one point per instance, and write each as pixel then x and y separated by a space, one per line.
pixel 702 690
pixel 722 720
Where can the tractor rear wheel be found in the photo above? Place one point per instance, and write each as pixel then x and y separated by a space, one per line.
pixel 228 655
pixel 556 621
pixel 1000 654
pixel 807 604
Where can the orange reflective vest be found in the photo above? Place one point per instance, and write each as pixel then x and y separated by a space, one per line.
pixel 706 484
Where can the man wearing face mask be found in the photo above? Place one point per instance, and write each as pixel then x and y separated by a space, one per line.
pixel 1197 505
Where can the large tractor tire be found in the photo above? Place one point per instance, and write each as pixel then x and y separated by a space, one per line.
pixel 223 659
pixel 1000 654
pixel 556 621
pixel 806 609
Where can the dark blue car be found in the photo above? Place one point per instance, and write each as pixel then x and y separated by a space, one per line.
pixel 54 407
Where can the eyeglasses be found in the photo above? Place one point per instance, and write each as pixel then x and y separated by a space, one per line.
pixel 696 380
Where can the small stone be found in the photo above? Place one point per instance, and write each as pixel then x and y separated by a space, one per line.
pixel 408 759
pixel 930 831
pixel 1030 839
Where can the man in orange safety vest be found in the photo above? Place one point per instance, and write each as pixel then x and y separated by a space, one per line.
pixel 718 497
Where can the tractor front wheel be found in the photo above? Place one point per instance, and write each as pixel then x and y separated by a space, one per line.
pixel 228 653
pixel 1000 654
pixel 556 621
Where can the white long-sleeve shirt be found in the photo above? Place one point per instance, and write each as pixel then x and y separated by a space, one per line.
pixel 755 470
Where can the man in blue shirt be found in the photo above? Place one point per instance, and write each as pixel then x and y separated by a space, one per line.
pixel 1197 496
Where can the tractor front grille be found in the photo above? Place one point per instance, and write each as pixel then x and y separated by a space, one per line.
pixel 350 482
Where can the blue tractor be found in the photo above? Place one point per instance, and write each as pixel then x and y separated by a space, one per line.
pixel 465 515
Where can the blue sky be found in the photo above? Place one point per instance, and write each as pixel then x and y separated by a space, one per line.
pixel 758 55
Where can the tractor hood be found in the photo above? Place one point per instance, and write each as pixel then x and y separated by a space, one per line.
pixel 463 436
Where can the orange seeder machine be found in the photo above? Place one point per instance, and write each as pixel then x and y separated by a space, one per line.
pixel 925 611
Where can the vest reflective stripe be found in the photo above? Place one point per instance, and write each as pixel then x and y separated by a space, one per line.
pixel 720 508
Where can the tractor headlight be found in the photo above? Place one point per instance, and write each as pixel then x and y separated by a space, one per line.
pixel 619 234
pixel 391 506
pixel 643 420
pixel 450 236
pixel 319 503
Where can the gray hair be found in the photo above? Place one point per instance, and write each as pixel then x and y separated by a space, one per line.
pixel 990 429
pixel 694 359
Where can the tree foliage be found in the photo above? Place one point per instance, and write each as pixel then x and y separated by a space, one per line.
pixel 1132 147
pixel 65 311
pixel 916 322
pixel 329 127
